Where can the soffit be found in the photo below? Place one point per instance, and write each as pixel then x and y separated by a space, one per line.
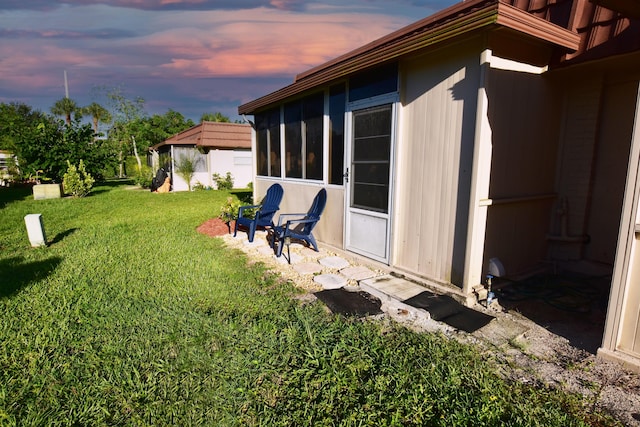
pixel 623 66
pixel 628 8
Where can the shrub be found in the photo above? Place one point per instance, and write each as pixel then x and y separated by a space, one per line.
pixel 198 186
pixel 144 176
pixel 76 181
pixel 229 211
pixel 223 182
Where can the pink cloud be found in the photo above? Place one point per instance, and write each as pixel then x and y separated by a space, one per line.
pixel 266 43
pixel 158 4
pixel 257 49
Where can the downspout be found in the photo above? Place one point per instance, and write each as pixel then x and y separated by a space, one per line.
pixel 173 182
pixel 254 152
pixel 480 174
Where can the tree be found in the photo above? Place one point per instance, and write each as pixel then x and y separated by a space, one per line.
pixel 214 117
pixel 98 114
pixel 52 143
pixel 125 113
pixel 159 127
pixel 66 107
pixel 17 122
pixel 186 166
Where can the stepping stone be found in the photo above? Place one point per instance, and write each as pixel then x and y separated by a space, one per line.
pixel 265 250
pixel 256 242
pixel 387 286
pixel 330 281
pixel 310 253
pixel 295 259
pixel 334 262
pixel 357 273
pixel 308 268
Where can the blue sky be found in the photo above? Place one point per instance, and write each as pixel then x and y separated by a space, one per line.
pixel 192 56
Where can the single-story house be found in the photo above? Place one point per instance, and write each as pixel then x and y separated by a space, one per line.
pixel 214 147
pixel 7 162
pixel 496 136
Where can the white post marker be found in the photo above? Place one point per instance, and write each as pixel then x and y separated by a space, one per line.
pixel 35 230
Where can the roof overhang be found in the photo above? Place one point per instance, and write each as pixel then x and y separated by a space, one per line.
pixel 628 8
pixel 216 135
pixel 447 25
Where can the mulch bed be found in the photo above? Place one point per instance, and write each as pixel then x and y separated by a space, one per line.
pixel 214 227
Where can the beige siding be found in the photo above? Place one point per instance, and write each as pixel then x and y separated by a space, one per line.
pixel 623 319
pixel 609 173
pixel 523 165
pixel 435 146
pixel 578 136
pixel 630 333
pixel 297 199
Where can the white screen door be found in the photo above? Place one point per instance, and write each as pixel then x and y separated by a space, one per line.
pixel 369 188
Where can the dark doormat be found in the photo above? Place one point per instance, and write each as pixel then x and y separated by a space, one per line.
pixel 443 308
pixel 350 303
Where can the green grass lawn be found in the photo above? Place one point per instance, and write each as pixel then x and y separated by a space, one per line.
pixel 131 317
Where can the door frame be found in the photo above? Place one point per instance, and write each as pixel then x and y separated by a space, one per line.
pixel 391 99
pixel 620 308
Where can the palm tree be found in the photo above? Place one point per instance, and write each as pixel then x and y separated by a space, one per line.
pixel 214 117
pixel 98 113
pixel 65 107
pixel 186 167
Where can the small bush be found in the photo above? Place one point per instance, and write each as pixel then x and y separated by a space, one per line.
pixel 144 177
pixel 198 186
pixel 229 211
pixel 76 181
pixel 223 182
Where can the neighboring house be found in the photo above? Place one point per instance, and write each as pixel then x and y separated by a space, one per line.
pixel 492 136
pixel 215 147
pixel 7 161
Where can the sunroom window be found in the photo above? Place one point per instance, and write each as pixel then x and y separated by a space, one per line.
pixel 268 143
pixel 374 82
pixel 337 105
pixel 303 137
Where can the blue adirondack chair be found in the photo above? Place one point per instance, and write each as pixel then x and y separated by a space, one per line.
pixel 264 215
pixel 298 229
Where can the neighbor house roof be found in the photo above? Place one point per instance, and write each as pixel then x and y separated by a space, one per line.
pixel 561 24
pixel 212 135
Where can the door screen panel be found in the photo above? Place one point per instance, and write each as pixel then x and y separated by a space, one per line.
pixel 371 159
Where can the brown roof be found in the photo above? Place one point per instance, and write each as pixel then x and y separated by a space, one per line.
pixel 558 24
pixel 212 135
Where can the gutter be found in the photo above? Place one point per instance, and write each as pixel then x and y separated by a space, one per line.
pixel 451 23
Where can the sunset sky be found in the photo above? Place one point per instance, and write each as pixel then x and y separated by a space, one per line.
pixel 192 56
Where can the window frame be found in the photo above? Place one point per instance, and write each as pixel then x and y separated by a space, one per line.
pixel 304 124
pixel 273 143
